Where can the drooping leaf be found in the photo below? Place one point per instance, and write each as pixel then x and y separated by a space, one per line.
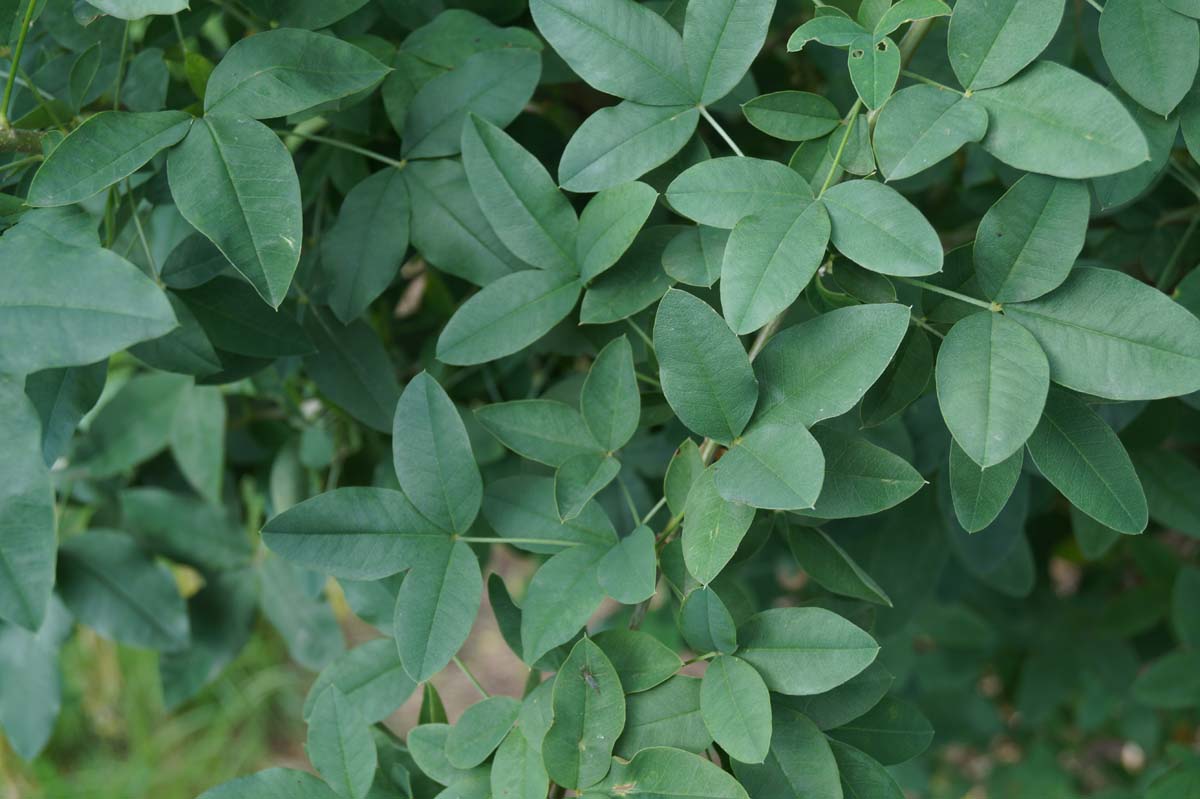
pixel 579 478
pixel 30 683
pixel 891 732
pixel 352 369
pixel 61 397
pixel 197 440
pixel 705 622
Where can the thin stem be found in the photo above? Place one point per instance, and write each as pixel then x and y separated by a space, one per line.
pixel 851 118
pixel 912 39
pixel 16 60
pixel 1184 177
pixel 550 542
pixel 463 667
pixel 720 130
pixel 1096 5
pixel 141 233
pixel 19 163
pixel 641 333
pixel 648 380
pixel 930 82
pixel 633 511
pixel 179 33
pixel 946 292
pixel 40 99
pixel 921 323
pixel 1168 273
pixel 353 148
pixel 701 658
pixel 120 69
pixel 657 507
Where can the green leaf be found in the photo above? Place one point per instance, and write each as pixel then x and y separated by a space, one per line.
pixel 666 715
pixel 609 224
pixel 1083 458
pixel 106 148
pixel 627 571
pixel 519 198
pixel 494 85
pixel 831 567
pixel 427 745
pixel 792 116
pixel 507 316
pixel 133 426
pixel 777 465
pixel 922 125
pixel 635 283
pixel 30 688
pixel 835 29
pixel 524 507
pixel 720 191
pixel 712 529
pixel 136 9
pixel 641 660
pixel 874 226
pixel 61 397
pixel 736 707
pixel 371 678
pixel 685 467
pixel 433 457
pixel 799 762
pixel 770 258
pixel 1168 477
pixel 848 701
pixel 801 651
pixel 861 478
pixel 610 401
pixel 720 40
pixel 1172 681
pixel 1093 538
pixel 863 775
pixel 281 72
pixel 27 518
pixel 234 181
pixel 362 252
pixel 197 440
pixel 623 142
pixel 992 379
pixel 665 773
pixel 436 608
pixel 274 783
pixel 980 494
pixel 118 590
pixel 902 382
pixel 546 431
pixel 821 368
pixel 1051 119
pixel 340 746
pixel 874 65
pixel 356 533
pixel 1184 595
pixel 705 373
pixel 352 369
pixel 705 622
pixel 234 319
pixel 579 478
pixel 1151 50
pixel 1028 241
pixel 562 596
pixel 891 732
pixel 299 614
pixel 589 714
pixel 990 42
pixel 909 11
pixel 480 729
pixel 695 256
pixel 1111 336
pixel 619 47
pixel 517 769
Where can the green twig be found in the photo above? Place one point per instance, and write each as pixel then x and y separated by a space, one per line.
pixel 947 292
pixel 851 118
pixel 641 333
pixel 1168 273
pixel 930 82
pixel 353 148
pixel 120 69
pixel 720 130
pixel 478 686
pixel 22 162
pixel 16 60
pixel 550 542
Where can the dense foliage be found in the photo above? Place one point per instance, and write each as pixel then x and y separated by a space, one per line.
pixel 837 368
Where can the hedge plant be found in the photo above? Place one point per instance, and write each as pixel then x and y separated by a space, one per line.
pixel 833 370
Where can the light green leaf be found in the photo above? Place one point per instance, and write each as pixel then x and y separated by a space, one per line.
pixel 666 715
pixel 436 608
pixel 589 714
pixel 1083 458
pixel 712 528
pixel 874 226
pixel 523 507
pixel 980 494
pixel 197 440
pixel 720 40
pixel 133 426
pixel 801 651
pixel 1111 336
pixel 908 11
pixel 695 255
pixel 274 783
pixel 635 283
pixel 992 379
pixel 610 401
pixel 720 191
pixel 61 397
pixel 285 71
pixel 777 465
pixel 891 732
pixel 507 316
pixel 1051 119
pixel 106 148
pixel 641 660
pixel 989 42
pixel 480 729
pixel 831 567
pixel 835 29
pixel 874 65
pixel 433 457
pixel 705 373
pixel 661 772
pixel 30 685
pixel 136 9
pixel 609 224
pixel 562 596
pixel 546 431
pixel 736 707
pixel 861 478
pixel 770 258
pixel 371 678
pixel 517 769
pixel 1028 241
pixel 234 181
pixel 792 116
pixel 619 47
pixel 627 571
pixel 518 197
pixel 685 466
pixel 579 478
pixel 705 622
pixel 1151 50
pixel 799 762
pixel 340 746
pixel 922 125
pixel 623 142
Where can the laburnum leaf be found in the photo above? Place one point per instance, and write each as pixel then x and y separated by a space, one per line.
pixel 480 729
pixel 922 125
pixel 136 9
pixel 902 382
pixel 835 29
pixel 579 478
pixel 623 142
pixel 641 660
pixel 802 651
pixel 989 42
pixel 769 259
pixel 340 746
pixel 992 379
pixel 721 191
pixel 634 283
pixel 427 745
pixel 863 775
pixel 562 596
pixel 1053 120
pixel 284 71
pixel 433 457
pixel 609 224
pixel 667 773
pixel 371 678
pixel 626 572
pixel 619 47
pixel 1082 457
pixel 736 707
pixel 712 529
pixel 777 465
pixel 861 478
pixel 874 64
pixel 449 38
pixel 589 714
pixel 831 567
pixel 30 688
pixel 519 198
pixel 720 40
pixel 234 181
pixel 61 397
pixel 493 84
pixel 133 426
pixel 275 783
pixel 1167 477
pixel 694 256
pixel 704 371
pixel 891 732
pixel 610 401
pixel 357 533
pixel 799 761
pixel 666 715
pixel 106 148
pixel 517 770
pixel 792 115
pixel 705 622
pixel 1112 336
pixel 436 608
pixel 546 431
pixel 352 368
pixel 1152 50
pixel 685 466
pixel 197 439
pixel 848 701
pixel 1028 241
pixel 909 11
pixel 980 494
pixel 874 226
pixel 524 508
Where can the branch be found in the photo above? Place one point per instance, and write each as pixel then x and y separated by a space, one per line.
pixel 18 140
